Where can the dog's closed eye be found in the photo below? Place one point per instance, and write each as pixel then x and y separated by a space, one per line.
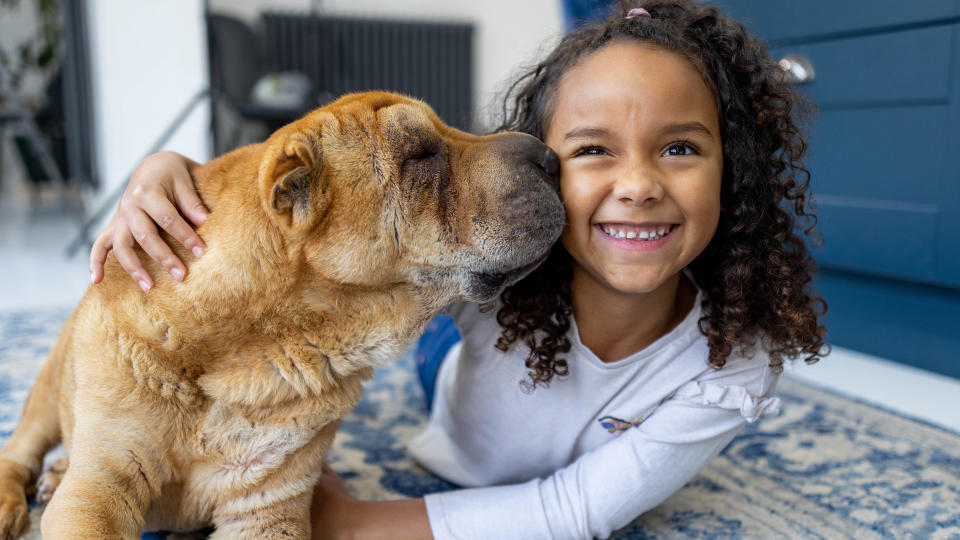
pixel 422 154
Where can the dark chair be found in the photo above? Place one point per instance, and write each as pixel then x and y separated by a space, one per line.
pixel 237 62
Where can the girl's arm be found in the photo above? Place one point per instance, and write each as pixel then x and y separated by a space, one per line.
pixel 610 486
pixel 337 515
pixel 160 190
pixel 600 492
pixel 595 495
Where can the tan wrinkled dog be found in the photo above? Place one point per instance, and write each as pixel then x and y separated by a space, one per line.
pixel 330 247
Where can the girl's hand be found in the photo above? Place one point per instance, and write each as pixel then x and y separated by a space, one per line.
pixel 334 513
pixel 160 189
pixel 332 507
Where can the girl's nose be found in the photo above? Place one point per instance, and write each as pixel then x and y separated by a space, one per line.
pixel 638 185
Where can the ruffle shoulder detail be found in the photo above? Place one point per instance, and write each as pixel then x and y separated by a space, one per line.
pixel 729 397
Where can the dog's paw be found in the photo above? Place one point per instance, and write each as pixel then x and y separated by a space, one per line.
pixel 13 510
pixel 46 485
pixel 50 479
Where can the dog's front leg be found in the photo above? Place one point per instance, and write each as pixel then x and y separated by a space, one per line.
pixel 97 500
pixel 284 520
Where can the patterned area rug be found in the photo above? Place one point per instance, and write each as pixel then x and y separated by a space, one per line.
pixel 826 467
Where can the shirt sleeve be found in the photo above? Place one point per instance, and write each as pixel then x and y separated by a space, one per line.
pixel 608 487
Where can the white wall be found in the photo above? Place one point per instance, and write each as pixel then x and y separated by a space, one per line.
pixel 509 33
pixel 148 58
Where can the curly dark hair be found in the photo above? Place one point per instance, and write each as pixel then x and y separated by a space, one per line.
pixel 756 271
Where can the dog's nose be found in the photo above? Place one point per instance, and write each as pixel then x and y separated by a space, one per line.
pixel 549 161
pixel 545 158
pixel 537 152
pixel 531 149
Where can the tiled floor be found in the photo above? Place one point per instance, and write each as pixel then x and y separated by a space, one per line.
pixel 35 274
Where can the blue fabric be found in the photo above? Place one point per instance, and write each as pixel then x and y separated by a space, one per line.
pixel 441 334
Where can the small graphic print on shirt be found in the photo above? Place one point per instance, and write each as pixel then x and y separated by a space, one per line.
pixel 617 426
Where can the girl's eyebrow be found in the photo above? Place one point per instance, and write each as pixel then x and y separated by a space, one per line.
pixel 586 133
pixel 687 127
pixel 672 129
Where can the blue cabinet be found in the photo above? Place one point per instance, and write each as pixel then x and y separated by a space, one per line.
pixel 885 164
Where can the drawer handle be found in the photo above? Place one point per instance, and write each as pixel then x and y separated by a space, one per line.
pixel 797 69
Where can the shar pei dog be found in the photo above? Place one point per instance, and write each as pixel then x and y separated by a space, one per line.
pixel 330 247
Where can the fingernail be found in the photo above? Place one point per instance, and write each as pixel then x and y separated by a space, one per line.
pixel 177 274
pixel 91 276
pixel 197 251
pixel 144 285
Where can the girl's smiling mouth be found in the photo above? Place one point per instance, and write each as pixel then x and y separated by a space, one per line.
pixel 638 237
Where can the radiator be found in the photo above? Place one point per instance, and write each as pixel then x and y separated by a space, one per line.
pixel 428 60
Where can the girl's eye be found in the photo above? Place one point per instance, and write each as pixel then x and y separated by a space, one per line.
pixel 680 149
pixel 590 151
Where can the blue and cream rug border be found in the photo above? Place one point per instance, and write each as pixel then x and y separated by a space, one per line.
pixel 827 467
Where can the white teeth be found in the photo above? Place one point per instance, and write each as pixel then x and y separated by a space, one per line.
pixel 642 235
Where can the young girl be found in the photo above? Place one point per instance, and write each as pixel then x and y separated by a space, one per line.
pixel 604 381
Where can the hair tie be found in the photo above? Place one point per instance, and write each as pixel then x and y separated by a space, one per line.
pixel 637 12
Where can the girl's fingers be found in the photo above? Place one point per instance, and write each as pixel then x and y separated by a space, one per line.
pixel 98 255
pixel 163 212
pixel 158 183
pixel 123 250
pixel 187 200
pixel 145 232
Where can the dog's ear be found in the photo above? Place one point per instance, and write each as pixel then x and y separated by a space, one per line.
pixel 297 175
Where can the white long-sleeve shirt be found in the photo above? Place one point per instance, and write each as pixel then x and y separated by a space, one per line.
pixel 590 453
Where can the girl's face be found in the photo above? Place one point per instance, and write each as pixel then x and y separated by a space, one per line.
pixel 638 137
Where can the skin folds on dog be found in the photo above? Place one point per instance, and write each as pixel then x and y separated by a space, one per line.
pixel 329 248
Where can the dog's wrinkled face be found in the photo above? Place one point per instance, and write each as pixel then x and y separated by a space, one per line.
pixel 382 193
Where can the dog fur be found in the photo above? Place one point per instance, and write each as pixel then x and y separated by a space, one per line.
pixel 330 246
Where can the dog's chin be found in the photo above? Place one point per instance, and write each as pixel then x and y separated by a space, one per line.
pixel 485 286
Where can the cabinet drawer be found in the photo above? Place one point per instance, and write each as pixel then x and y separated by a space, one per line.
pixel 910 66
pixel 877 174
pixel 886 153
pixel 877 237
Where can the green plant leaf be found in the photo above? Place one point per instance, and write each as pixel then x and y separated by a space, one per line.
pixel 46 55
